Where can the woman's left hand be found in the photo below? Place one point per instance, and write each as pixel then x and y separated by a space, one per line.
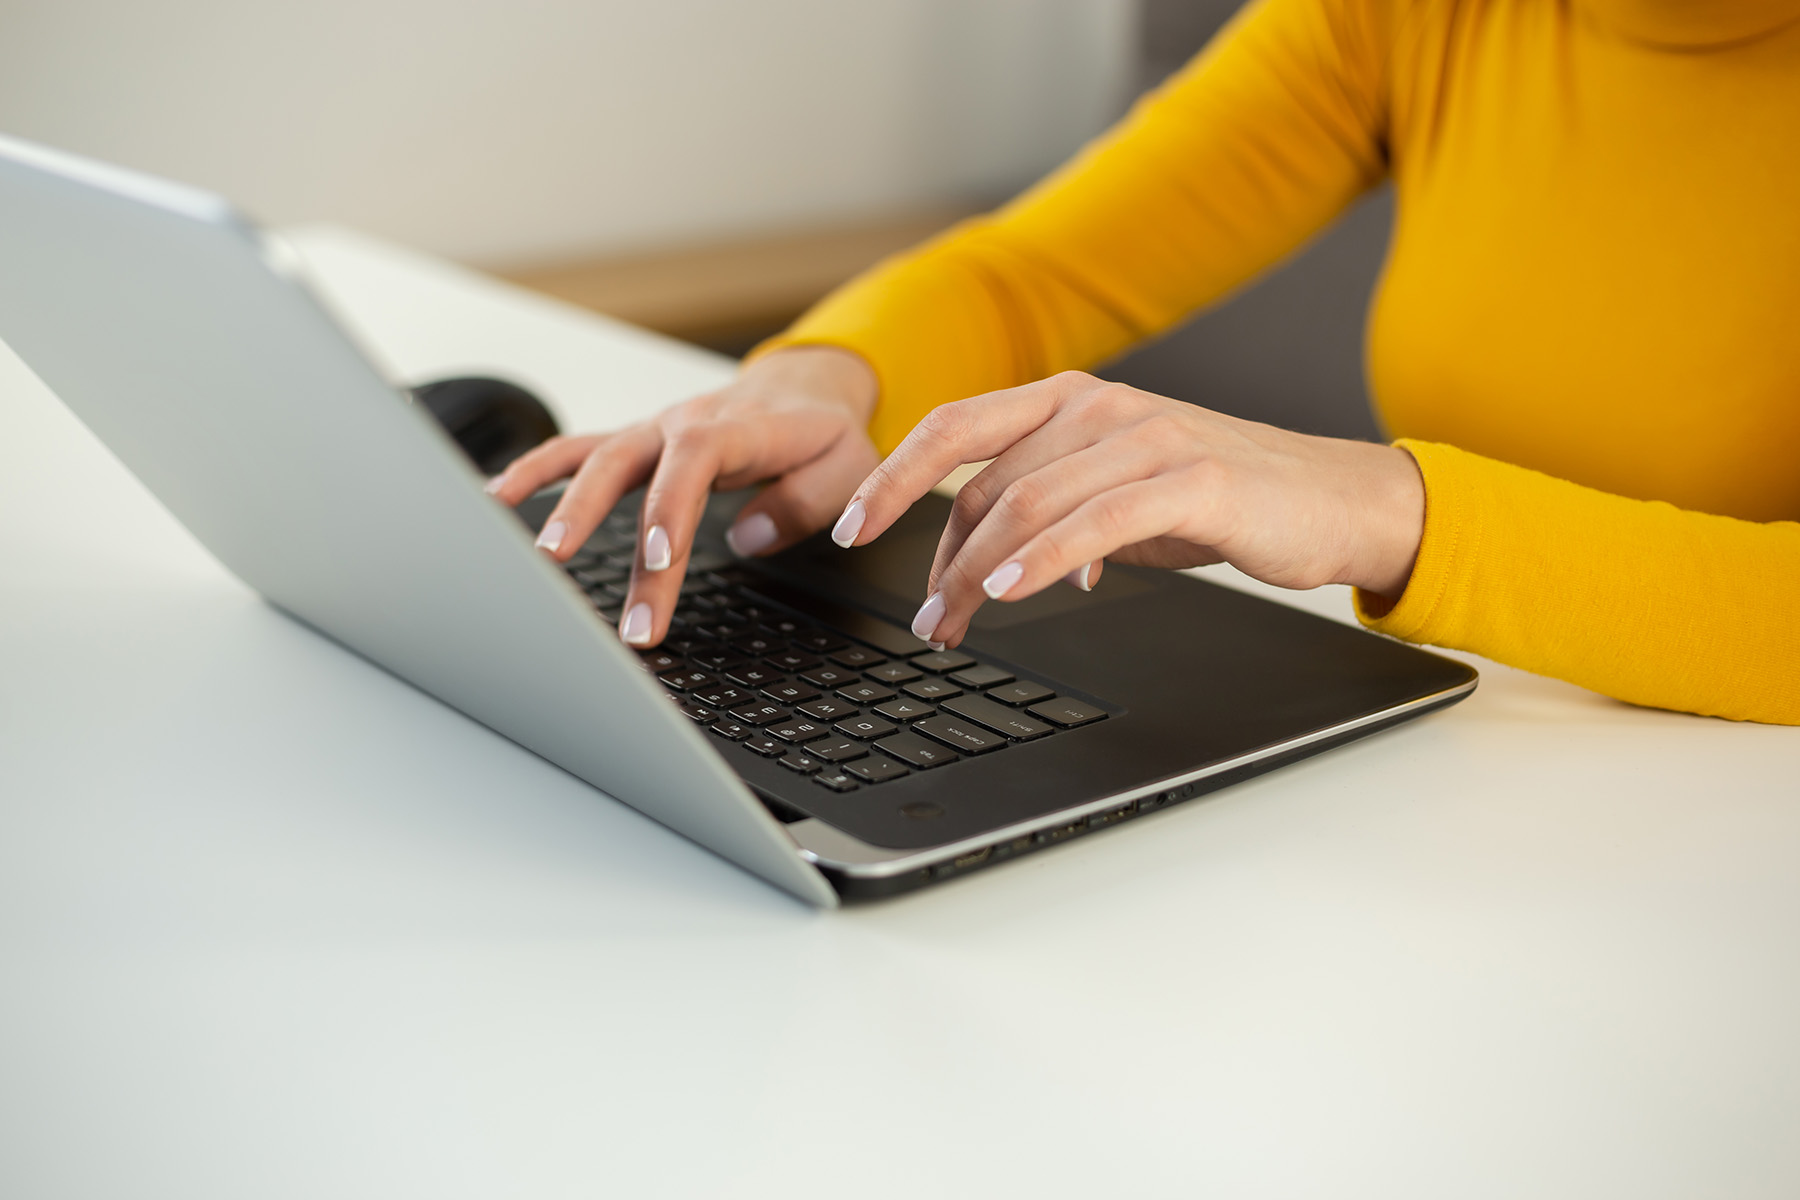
pixel 1084 470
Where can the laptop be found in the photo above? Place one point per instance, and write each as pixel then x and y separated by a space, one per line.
pixel 790 723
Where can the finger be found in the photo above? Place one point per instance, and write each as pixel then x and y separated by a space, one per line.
pixel 1030 506
pixel 1086 575
pixel 692 458
pixel 543 464
pixel 1121 516
pixel 1058 438
pixel 803 501
pixel 618 464
pixel 965 431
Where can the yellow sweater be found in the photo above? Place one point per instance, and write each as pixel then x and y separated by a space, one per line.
pixel 1587 333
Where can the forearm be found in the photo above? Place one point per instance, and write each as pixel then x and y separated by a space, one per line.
pixel 1635 599
pixel 1248 152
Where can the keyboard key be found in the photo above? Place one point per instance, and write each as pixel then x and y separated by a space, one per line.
pixel 877 770
pixel 765 745
pixel 658 661
pixel 905 709
pixel 756 645
pixel 1065 712
pixel 687 679
pixel 866 728
pixel 941 661
pixel 1021 693
pixel 760 713
pixel 594 577
pixel 698 713
pixel 806 764
pixel 799 730
pixel 894 672
pixel 977 678
pixel 753 675
pixel 931 689
pixel 724 696
pixel 959 733
pixel 731 730
pixel 716 658
pixel 997 717
pixel 911 748
pixel 866 693
pixel 782 626
pixel 790 661
pixel 790 692
pixel 819 641
pixel 828 709
pixel 836 750
pixel 829 677
pixel 836 780
pixel 859 657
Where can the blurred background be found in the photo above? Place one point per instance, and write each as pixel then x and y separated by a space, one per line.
pixel 703 167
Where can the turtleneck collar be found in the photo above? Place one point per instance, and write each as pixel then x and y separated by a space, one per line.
pixel 1691 24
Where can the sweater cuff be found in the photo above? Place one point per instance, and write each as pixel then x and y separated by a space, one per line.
pixel 1449 540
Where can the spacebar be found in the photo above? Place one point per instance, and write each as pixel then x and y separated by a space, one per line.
pixel 888 638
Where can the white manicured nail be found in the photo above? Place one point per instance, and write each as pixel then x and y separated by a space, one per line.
pixel 935 645
pixel 1079 577
pixel 850 524
pixel 551 538
pixel 635 628
pixel 930 613
pixel 657 555
pixel 1003 580
pixel 751 535
pixel 495 484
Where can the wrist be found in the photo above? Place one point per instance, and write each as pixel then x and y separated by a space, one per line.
pixel 829 373
pixel 1393 523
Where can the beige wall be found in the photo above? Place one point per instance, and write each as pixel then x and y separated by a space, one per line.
pixel 508 131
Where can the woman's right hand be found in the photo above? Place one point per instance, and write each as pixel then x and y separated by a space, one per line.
pixel 798 417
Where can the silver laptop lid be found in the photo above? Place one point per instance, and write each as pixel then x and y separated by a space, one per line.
pixel 161 318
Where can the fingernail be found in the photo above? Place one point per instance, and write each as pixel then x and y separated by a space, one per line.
pixel 935 645
pixel 635 628
pixel 1003 579
pixel 495 484
pixel 751 535
pixel 930 613
pixel 551 538
pixel 657 555
pixel 1079 577
pixel 850 524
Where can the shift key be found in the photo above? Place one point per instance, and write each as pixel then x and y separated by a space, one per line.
pixel 997 717
pixel 959 733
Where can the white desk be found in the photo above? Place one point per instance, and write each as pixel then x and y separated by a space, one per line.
pixel 275 925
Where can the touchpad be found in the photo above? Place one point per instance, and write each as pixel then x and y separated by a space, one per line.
pixel 889 576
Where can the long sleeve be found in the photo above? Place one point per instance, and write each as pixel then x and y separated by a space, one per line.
pixel 1252 149
pixel 1638 599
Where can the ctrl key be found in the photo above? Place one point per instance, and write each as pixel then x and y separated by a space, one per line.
pixel 836 779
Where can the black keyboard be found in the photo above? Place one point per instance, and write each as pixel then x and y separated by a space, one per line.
pixel 829 692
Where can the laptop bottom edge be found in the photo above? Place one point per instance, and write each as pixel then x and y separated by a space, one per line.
pixel 858 870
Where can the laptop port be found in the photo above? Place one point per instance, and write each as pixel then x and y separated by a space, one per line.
pixel 973 858
pixel 1060 833
pixel 1112 815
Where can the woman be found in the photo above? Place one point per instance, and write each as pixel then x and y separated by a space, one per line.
pixel 1587 334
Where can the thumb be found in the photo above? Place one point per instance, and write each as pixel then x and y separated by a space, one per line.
pixel 803 501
